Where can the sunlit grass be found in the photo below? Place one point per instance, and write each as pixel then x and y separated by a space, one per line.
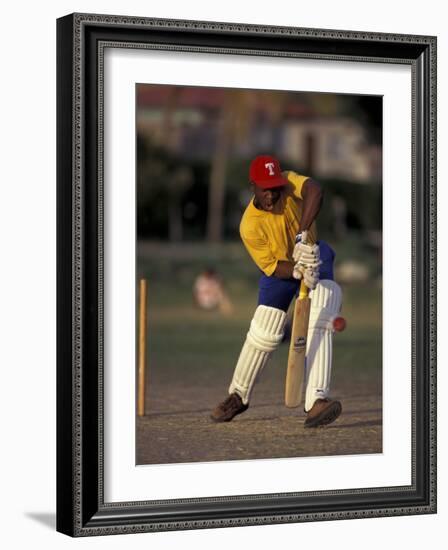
pixel 185 343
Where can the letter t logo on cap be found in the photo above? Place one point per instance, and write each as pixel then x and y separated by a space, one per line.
pixel 270 167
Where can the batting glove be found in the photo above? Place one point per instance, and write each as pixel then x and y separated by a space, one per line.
pixel 306 254
pixel 310 276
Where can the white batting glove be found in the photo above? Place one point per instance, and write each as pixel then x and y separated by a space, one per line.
pixel 307 255
pixel 297 272
pixel 311 278
pixel 309 275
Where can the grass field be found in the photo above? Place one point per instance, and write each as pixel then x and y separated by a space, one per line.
pixel 192 354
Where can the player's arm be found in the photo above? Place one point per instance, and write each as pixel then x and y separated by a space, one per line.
pixel 306 255
pixel 311 193
pixel 312 197
pixel 284 269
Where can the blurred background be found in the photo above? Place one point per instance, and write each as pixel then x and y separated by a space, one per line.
pixel 194 147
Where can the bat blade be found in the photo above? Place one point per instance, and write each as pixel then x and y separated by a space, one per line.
pixel 295 372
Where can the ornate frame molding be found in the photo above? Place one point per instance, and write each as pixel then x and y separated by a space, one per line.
pixel 82 39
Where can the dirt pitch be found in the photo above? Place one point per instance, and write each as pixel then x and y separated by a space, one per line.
pixel 178 429
pixel 192 355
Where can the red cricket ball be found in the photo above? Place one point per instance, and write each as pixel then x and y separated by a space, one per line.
pixel 339 324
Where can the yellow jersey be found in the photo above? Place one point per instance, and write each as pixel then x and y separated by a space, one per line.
pixel 269 237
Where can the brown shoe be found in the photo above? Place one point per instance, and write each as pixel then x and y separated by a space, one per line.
pixel 230 407
pixel 324 411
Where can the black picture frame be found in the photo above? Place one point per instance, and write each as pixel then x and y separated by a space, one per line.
pixel 81 509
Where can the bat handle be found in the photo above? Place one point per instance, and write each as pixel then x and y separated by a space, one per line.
pixel 303 293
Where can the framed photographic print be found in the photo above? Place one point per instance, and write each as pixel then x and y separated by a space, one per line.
pixel 246 274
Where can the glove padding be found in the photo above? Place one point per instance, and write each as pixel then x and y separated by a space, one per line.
pixel 308 255
pixel 309 275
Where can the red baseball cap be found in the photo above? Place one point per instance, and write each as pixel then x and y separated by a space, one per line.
pixel 265 172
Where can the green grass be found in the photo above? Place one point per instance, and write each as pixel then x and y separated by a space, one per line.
pixel 187 344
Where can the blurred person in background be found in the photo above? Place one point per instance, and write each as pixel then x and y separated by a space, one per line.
pixel 209 293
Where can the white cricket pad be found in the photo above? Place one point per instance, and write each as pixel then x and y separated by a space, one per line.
pixel 326 301
pixel 264 336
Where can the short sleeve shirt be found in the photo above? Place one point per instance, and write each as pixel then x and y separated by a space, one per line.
pixel 269 237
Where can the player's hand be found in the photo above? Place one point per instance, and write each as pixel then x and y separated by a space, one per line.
pixel 309 275
pixel 311 278
pixel 307 255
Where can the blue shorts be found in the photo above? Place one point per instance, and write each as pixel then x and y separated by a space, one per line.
pixel 276 292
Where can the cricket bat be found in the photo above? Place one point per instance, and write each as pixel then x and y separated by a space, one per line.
pixel 295 372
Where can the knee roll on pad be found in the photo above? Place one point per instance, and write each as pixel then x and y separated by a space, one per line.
pixel 266 328
pixel 326 300
pixel 264 336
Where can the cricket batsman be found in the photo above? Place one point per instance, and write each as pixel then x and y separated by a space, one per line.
pixel 282 210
